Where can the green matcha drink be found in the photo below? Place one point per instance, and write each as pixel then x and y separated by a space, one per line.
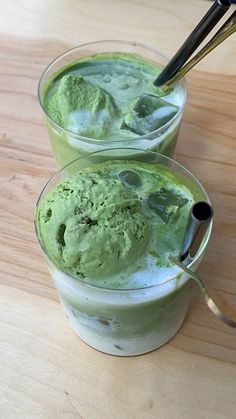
pixel 91 97
pixel 107 232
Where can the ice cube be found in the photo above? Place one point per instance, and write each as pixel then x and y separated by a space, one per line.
pixel 166 203
pixel 130 178
pixel 148 113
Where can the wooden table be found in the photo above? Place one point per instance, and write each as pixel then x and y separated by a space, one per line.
pixel 46 371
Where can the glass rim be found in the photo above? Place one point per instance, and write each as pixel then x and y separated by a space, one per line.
pixel 84 283
pixel 79 137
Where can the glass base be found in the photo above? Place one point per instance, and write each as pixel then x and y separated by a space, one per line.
pixel 132 346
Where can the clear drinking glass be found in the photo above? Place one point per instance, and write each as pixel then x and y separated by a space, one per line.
pixel 130 321
pixel 67 145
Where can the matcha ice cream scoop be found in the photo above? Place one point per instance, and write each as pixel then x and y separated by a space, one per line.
pixel 92 226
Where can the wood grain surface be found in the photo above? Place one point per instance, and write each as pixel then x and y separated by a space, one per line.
pixel 45 370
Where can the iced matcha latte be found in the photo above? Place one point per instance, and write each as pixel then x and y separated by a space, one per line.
pixel 102 95
pixel 107 232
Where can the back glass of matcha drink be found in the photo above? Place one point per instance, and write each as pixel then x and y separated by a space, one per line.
pixel 107 230
pixel 91 95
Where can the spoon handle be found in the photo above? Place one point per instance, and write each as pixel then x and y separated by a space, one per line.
pixel 224 32
pixel 220 307
pixel 216 303
pixel 199 33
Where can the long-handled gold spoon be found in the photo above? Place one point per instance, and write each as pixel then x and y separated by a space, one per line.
pixel 228 28
pixel 199 219
pixel 216 303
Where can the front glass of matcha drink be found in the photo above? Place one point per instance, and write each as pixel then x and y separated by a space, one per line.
pixel 101 95
pixel 107 229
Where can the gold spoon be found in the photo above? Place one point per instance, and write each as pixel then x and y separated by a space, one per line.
pixel 168 76
pixel 228 28
pixel 216 303
pixel 199 33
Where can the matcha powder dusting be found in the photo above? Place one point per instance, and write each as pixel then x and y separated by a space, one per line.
pixel 81 107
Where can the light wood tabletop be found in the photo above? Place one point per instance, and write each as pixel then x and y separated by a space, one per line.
pixel 45 370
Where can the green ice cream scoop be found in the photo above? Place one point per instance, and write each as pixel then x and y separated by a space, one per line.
pixel 90 225
pixel 81 107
